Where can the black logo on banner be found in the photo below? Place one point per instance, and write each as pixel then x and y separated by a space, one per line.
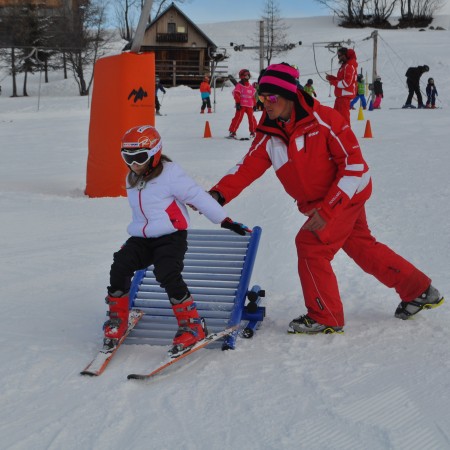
pixel 137 94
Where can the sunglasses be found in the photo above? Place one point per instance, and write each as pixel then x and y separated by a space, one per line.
pixel 271 98
pixel 140 158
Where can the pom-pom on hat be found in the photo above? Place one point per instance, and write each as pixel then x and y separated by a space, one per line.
pixel 280 79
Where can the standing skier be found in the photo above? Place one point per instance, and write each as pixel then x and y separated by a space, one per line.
pixel 244 97
pixel 309 88
pixel 345 81
pixel 158 87
pixel 318 160
pixel 413 75
pixel 361 92
pixel 377 92
pixel 431 94
pixel 205 93
pixel 158 190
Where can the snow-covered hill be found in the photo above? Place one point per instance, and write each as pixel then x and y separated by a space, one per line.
pixel 384 384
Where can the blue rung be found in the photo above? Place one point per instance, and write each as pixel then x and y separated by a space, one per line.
pixel 217 268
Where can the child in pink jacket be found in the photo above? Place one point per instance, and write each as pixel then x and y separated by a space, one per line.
pixel 244 96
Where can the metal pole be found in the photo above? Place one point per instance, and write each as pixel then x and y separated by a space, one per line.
pixel 375 52
pixel 261 45
pixel 140 30
pixel 214 90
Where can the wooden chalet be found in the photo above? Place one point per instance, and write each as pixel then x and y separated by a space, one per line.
pixel 183 53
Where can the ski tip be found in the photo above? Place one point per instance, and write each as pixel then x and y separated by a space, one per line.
pixel 135 376
pixel 86 372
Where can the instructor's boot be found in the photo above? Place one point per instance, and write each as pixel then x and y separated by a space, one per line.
pixel 117 324
pixel 191 327
pixel 429 299
pixel 306 325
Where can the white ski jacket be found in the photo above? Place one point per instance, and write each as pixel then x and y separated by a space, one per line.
pixel 158 208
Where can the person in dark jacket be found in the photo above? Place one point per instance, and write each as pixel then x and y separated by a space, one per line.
pixel 413 75
pixel 158 87
pixel 432 93
pixel 377 92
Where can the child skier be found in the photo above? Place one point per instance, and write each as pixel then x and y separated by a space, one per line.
pixel 205 92
pixel 360 92
pixel 158 190
pixel 378 92
pixel 431 94
pixel 309 88
pixel 158 87
pixel 244 97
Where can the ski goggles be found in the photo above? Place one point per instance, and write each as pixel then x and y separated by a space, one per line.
pixel 271 98
pixel 140 157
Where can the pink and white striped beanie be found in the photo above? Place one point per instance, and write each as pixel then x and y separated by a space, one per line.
pixel 279 79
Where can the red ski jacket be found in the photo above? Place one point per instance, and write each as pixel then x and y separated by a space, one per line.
pixel 345 81
pixel 315 156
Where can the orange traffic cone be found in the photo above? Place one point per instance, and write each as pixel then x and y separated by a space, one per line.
pixel 360 114
pixel 368 130
pixel 207 133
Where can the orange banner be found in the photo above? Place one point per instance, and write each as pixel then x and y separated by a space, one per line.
pixel 123 97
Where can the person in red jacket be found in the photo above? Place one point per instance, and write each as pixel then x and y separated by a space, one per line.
pixel 318 160
pixel 244 97
pixel 345 81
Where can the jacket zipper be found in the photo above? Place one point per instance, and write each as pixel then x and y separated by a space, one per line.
pixel 142 211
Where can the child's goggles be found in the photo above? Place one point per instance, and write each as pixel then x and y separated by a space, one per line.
pixel 271 98
pixel 140 157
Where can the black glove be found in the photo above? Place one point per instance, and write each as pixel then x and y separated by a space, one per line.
pixel 238 106
pixel 237 227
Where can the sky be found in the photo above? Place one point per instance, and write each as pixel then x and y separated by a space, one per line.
pixel 202 11
pixel 382 385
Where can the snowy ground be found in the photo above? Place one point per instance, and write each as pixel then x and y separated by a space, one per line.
pixel 384 384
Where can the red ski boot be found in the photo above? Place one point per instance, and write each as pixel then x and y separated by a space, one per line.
pixel 117 324
pixel 191 327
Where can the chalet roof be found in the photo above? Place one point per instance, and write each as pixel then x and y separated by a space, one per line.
pixel 181 13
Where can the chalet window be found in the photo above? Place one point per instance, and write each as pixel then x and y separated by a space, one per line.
pixel 171 27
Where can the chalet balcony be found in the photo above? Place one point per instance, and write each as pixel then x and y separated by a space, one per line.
pixel 171 37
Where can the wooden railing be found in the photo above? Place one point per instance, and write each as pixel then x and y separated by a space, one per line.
pixel 171 37
pixel 186 72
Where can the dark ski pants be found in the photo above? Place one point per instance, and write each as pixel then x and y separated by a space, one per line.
pixel 166 253
pixel 206 102
pixel 414 89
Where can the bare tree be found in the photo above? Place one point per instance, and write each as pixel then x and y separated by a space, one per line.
pixel 160 5
pixel 88 40
pixel 25 30
pixel 357 13
pixel 351 12
pixel 275 38
pixel 380 11
pixel 127 14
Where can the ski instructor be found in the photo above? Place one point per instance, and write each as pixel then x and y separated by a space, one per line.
pixel 318 161
pixel 345 81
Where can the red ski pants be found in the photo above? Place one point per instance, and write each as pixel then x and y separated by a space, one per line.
pixel 342 104
pixel 237 119
pixel 351 233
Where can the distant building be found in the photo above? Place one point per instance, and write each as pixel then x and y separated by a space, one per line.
pixel 183 53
